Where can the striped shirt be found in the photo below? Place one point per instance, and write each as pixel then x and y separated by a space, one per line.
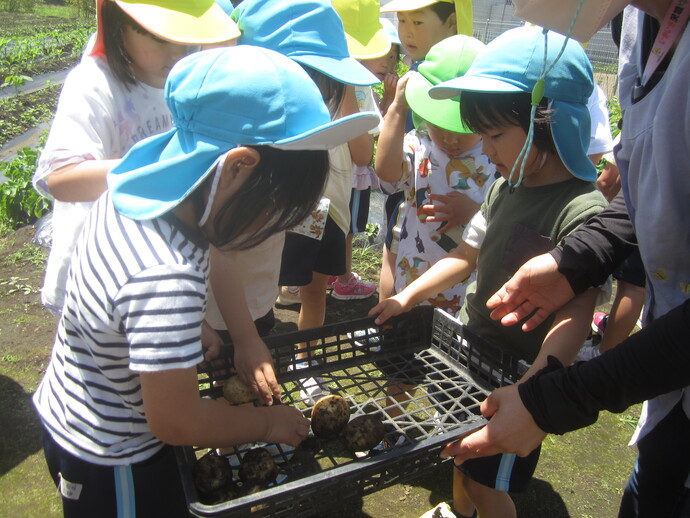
pixel 136 296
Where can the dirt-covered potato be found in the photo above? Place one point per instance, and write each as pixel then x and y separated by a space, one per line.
pixel 258 467
pixel 363 433
pixel 329 416
pixel 236 392
pixel 211 473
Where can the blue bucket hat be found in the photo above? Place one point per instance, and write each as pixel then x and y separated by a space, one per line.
pixel 308 31
pixel 514 62
pixel 220 99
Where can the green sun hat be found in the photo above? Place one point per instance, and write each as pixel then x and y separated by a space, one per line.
pixel 448 59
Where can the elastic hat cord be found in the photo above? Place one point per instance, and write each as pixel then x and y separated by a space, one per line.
pixel 537 96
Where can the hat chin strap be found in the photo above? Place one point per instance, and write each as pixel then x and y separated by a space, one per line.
pixel 214 188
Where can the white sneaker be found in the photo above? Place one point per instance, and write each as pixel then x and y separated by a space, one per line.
pixel 312 388
pixel 367 338
pixel 442 510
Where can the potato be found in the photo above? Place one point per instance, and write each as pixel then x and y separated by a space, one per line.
pixel 363 433
pixel 236 392
pixel 211 473
pixel 258 468
pixel 329 416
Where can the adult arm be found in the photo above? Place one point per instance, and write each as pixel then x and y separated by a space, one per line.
pixel 649 363
pixel 585 258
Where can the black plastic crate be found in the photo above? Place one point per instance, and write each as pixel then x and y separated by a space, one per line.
pixel 453 369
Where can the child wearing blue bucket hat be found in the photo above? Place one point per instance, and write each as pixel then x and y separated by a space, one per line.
pixel 246 158
pixel 529 104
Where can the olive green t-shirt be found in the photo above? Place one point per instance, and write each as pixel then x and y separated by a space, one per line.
pixel 520 225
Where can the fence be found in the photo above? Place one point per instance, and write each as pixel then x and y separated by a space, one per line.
pixel 493 17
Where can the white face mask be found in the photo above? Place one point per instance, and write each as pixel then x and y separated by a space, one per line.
pixel 558 15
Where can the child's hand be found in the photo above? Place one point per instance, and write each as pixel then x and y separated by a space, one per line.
pixel 455 208
pixel 210 341
pixel 254 365
pixel 287 425
pixel 400 103
pixel 389 308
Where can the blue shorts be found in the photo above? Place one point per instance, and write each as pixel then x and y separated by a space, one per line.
pixel 150 488
pixel 505 471
pixel 304 255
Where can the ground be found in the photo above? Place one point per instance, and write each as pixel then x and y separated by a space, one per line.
pixel 579 475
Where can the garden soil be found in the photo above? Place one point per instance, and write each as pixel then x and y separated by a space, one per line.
pixel 579 475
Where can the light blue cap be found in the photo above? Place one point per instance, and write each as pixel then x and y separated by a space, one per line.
pixel 515 61
pixel 308 31
pixel 391 31
pixel 220 99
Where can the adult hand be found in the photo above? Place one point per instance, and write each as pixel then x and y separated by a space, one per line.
pixel 536 290
pixel 511 429
pixel 254 366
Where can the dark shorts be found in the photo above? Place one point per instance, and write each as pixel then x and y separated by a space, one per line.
pixel 304 255
pixel 505 471
pixel 631 270
pixel 151 488
pixel 359 210
pixel 393 203
pixel 264 325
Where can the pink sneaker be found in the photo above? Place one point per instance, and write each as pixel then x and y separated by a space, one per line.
pixel 599 322
pixel 356 288
pixel 331 282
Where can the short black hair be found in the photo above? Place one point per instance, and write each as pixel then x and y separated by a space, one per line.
pixel 284 188
pixel 443 9
pixel 483 111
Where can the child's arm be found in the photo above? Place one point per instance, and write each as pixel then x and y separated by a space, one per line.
pixel 81 181
pixel 362 147
pixel 177 415
pixel 389 152
pixel 253 360
pixel 447 272
pixel 568 332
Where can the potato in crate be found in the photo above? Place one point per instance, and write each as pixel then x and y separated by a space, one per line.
pixel 354 363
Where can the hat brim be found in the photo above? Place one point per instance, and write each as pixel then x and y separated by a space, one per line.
pixel 346 70
pixel 332 134
pixel 194 23
pixel 444 113
pixel 376 46
pixel 471 83
pixel 409 5
pixel 158 173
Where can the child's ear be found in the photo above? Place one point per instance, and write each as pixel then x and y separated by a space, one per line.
pixel 452 23
pixel 239 164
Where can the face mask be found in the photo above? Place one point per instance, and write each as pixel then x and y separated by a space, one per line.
pixel 592 15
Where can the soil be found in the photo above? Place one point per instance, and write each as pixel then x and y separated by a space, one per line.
pixel 579 475
pixel 22 113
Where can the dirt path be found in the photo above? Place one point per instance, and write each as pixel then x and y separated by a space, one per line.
pixel 579 475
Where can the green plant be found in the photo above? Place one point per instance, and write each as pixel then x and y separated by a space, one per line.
pixel 14 6
pixel 28 254
pixel 615 114
pixel 16 285
pixel 15 80
pixel 20 204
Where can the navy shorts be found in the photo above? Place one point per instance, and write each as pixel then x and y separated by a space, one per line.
pixel 505 471
pixel 304 255
pixel 150 488
pixel 359 210
pixel 392 206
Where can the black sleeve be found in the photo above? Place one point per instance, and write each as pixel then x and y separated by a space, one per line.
pixel 649 363
pixel 589 254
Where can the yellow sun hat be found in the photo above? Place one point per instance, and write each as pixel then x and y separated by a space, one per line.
pixel 365 35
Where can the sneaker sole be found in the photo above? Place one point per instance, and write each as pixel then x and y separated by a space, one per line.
pixel 350 297
pixel 286 302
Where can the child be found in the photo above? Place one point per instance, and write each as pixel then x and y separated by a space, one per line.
pixel 369 43
pixel 386 68
pixel 122 383
pixel 441 158
pixel 112 99
pixel 421 25
pixel 545 193
pixel 311 33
